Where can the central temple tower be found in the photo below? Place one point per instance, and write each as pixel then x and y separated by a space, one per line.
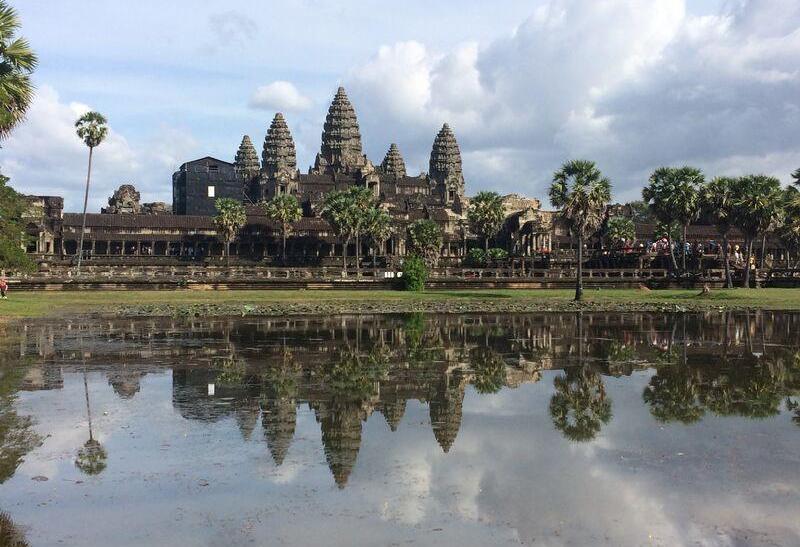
pixel 341 150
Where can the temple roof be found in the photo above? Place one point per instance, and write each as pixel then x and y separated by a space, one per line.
pixel 279 152
pixel 393 163
pixel 445 155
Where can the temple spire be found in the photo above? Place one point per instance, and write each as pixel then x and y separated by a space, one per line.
pixel 246 162
pixel 393 163
pixel 341 138
pixel 445 167
pixel 279 154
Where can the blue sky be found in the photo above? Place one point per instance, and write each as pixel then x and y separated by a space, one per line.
pixel 525 85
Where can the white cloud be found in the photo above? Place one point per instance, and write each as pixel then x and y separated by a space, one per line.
pixel 44 156
pixel 632 85
pixel 279 95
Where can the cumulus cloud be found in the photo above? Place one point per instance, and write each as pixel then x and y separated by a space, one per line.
pixel 44 156
pixel 279 95
pixel 632 85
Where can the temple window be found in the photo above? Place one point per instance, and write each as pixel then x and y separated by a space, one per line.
pixel 211 191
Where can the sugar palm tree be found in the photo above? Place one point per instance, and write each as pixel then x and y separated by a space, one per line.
pixel 285 210
pixel 426 240
pixel 717 199
pixel 92 130
pixel 17 62
pixel 673 196
pixel 379 228
pixel 486 214
pixel 757 202
pixel 360 200
pixel 581 192
pixel 231 217
pixel 91 456
pixel 336 211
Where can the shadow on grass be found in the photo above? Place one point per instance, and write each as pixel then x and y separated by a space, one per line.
pixel 479 295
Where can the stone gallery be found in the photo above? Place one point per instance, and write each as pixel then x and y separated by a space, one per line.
pixel 129 227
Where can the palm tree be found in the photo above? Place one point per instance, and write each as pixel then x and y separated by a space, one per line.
pixel 336 210
pixel 716 199
pixel 426 240
pixel 231 217
pixel 581 191
pixel 686 200
pixel 486 214
pixel 92 130
pixel 757 203
pixel 673 196
pixel 17 62
pixel 378 228
pixel 285 210
pixel 360 201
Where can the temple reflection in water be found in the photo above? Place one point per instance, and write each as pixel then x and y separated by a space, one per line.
pixel 345 369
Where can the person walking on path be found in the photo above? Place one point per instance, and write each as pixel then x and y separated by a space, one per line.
pixel 3 287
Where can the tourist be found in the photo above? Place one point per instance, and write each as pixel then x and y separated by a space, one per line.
pixel 3 287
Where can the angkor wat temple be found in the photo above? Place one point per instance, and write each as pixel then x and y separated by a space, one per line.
pixel 128 227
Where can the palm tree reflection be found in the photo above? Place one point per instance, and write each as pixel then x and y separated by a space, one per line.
pixel 92 456
pixel 580 407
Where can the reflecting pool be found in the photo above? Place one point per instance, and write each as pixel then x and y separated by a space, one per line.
pixel 546 429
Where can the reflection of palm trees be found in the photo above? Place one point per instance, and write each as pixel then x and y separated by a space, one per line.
pixel 92 456
pixel 489 370
pixel 580 407
pixel 673 395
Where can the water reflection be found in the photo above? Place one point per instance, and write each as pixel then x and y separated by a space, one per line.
pixel 344 370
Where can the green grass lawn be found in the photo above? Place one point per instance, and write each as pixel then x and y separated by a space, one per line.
pixel 39 304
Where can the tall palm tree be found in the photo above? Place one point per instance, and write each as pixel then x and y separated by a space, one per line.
pixel 379 228
pixel 758 201
pixel 673 196
pixel 92 130
pixel 17 62
pixel 360 201
pixel 486 214
pixel 336 211
pixel 231 217
pixel 581 191
pixel 285 210
pixel 717 199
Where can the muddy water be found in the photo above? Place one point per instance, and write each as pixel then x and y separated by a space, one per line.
pixel 547 429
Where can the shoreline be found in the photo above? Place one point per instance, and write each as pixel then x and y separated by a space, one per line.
pixel 29 305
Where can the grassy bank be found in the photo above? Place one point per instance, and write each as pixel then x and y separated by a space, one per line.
pixel 279 302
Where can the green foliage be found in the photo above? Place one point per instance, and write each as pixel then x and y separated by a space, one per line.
pixel 580 406
pixel 671 231
pixel 620 229
pixel 425 239
pixel 496 253
pixel 92 129
pixel 17 62
pixel 378 226
pixel 231 217
pixel 285 210
pixel 796 177
pixel 91 458
pixel 717 202
pixel 415 274
pixel 673 194
pixel 758 204
pixel 349 211
pixel 489 369
pixel 231 371
pixel 476 257
pixel 581 192
pixel 640 212
pixel 486 215
pixel 353 376
pixel 12 230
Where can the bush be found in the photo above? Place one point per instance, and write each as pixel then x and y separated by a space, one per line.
pixel 415 273
pixel 476 257
pixel 496 253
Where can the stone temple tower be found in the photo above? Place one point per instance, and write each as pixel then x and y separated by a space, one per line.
pixel 445 171
pixel 393 163
pixel 341 140
pixel 247 168
pixel 279 160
